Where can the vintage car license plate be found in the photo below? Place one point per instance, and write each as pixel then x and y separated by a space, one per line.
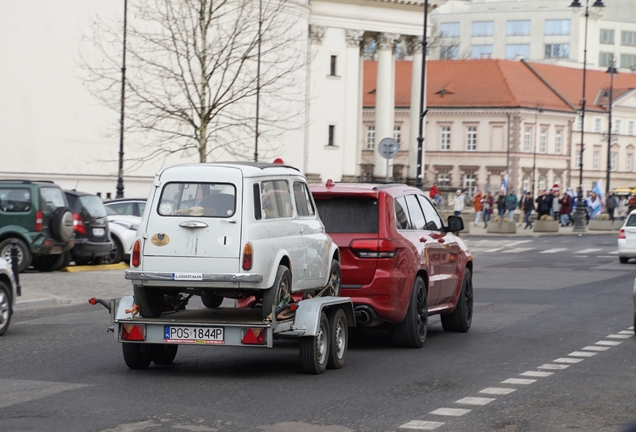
pixel 194 335
pixel 98 232
pixel 187 276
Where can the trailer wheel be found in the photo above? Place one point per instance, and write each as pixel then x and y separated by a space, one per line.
pixel 149 300
pixel 338 338
pixel 164 354
pixel 138 356
pixel 279 292
pixel 314 350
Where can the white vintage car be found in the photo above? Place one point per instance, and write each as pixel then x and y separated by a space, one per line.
pixel 7 295
pixel 231 230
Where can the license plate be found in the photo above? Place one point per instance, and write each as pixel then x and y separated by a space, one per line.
pixel 99 232
pixel 194 335
pixel 187 276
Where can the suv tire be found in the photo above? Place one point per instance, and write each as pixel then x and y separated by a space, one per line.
pixel 149 300
pixel 62 224
pixel 49 263
pixel 281 290
pixel 24 254
pixel 411 333
pixel 461 318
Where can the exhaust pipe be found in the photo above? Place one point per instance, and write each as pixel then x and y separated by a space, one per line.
pixel 364 314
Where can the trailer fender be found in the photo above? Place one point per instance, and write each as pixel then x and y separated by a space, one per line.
pixel 309 312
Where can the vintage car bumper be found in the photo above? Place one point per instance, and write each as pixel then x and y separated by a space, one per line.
pixel 142 276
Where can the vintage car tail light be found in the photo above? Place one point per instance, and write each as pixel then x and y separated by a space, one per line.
pixel 38 221
pixel 248 251
pixel 136 253
pixel 367 248
pixel 133 332
pixel 621 234
pixel 254 336
pixel 78 224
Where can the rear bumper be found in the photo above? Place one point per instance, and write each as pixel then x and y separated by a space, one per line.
pixel 626 249
pixel 145 276
pixel 384 295
pixel 49 246
pixel 86 249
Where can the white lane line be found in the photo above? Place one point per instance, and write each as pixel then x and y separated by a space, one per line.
pixel 553 366
pixel 537 374
pixel 517 243
pixel 619 336
pixel 551 251
pixel 453 412
pixel 629 332
pixel 518 381
pixel 581 256
pixel 596 348
pixel 609 343
pixel 585 251
pixel 519 250
pixel 606 256
pixel 491 250
pixel 497 390
pixel 568 360
pixel 582 354
pixel 614 253
pixel 422 425
pixel 475 401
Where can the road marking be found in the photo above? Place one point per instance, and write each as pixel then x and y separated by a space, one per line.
pixel 16 391
pixel 492 250
pixel 585 251
pixel 518 381
pixel 537 374
pixel 497 390
pixel 605 256
pixel 551 251
pixel 614 253
pixel 475 401
pixel 567 360
pixel 596 348
pixel 630 328
pixel 619 336
pixel 582 354
pixel 453 412
pixel 519 250
pixel 581 256
pixel 517 243
pixel 422 425
pixel 553 366
pixel 629 332
pixel 609 343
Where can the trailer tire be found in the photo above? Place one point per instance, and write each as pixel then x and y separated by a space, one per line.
pixel 281 290
pixel 138 355
pixel 164 354
pixel 211 301
pixel 149 300
pixel 338 339
pixel 314 350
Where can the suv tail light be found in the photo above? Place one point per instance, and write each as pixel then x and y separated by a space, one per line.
pixel 38 221
pixel 136 253
pixel 248 251
pixel 621 234
pixel 78 223
pixel 382 248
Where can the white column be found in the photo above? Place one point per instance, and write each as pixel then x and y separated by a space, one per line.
pixel 384 98
pixel 352 113
pixel 415 46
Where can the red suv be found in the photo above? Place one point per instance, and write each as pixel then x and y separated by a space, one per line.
pixel 399 262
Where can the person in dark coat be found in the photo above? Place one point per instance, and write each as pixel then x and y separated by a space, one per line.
pixel 501 204
pixel 566 208
pixel 543 204
pixel 611 205
pixel 528 207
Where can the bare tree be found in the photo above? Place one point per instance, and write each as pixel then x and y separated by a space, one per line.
pixel 191 79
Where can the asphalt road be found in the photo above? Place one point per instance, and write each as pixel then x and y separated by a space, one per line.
pixel 549 305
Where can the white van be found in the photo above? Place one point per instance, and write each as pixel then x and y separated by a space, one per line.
pixel 231 230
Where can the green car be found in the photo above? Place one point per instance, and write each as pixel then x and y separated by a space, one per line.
pixel 36 215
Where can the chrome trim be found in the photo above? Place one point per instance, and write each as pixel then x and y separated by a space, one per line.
pixel 206 277
pixel 193 224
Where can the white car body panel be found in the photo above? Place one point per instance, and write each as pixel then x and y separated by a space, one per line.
pixel 5 269
pixel 627 246
pixel 125 235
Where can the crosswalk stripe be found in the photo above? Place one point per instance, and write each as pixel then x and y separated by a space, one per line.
pixel 587 251
pixel 567 360
pixel 519 250
pixel 537 374
pixel 550 366
pixel 629 332
pixel 518 381
pixel 596 348
pixel 614 253
pixel 609 343
pixel 454 412
pixel 422 425
pixel 555 250
pixel 497 390
pixel 582 354
pixel 619 336
pixel 475 401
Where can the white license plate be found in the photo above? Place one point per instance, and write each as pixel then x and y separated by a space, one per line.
pixel 194 335
pixel 187 276
pixel 98 232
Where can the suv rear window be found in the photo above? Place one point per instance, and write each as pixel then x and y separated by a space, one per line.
pixel 15 200
pixel 93 205
pixel 198 199
pixel 52 198
pixel 349 214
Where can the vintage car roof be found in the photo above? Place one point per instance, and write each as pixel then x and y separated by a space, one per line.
pixel 248 169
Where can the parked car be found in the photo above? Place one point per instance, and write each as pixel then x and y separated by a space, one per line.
pixel 92 236
pixel 127 206
pixel 36 214
pixel 231 230
pixel 8 293
pixel 627 239
pixel 123 231
pixel 400 263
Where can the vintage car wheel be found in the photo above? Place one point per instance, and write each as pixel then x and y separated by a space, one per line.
pixel 279 292
pixel 24 254
pixel 411 333
pixel 5 308
pixel 164 354
pixel 138 355
pixel 335 279
pixel 338 338
pixel 314 350
pixel 149 300
pixel 461 318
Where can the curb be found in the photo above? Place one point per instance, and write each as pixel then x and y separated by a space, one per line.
pixel 101 267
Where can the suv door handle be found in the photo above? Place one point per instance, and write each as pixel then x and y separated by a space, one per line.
pixel 193 224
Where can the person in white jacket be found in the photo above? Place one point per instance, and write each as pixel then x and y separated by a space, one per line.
pixel 458 203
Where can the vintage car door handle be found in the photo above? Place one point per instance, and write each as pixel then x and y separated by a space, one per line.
pixel 193 224
pixel 232 221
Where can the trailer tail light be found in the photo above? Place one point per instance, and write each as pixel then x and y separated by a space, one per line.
pixel 133 332
pixel 248 252
pixel 382 248
pixel 78 224
pixel 254 336
pixel 136 253
pixel 38 221
pixel 621 234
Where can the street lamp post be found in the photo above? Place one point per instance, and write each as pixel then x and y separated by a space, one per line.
pixel 420 137
pixel 579 214
pixel 612 71
pixel 120 172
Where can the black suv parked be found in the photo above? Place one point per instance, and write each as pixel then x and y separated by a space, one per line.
pixel 36 214
pixel 92 239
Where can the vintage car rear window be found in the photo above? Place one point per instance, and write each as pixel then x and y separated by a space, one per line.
pixel 198 199
pixel 349 214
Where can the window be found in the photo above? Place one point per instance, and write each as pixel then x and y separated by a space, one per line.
pixel 607 36
pixel 557 27
pixel 198 199
pixel 558 141
pixel 628 38
pixel 449 30
pixel 481 51
pixel 445 135
pixel 332 68
pixel 302 197
pixel 518 28
pixel 469 182
pixel 543 141
pixel 628 162
pixel 628 61
pixel 598 125
pixel 16 200
pixel 449 52
pixel 517 50
pixel 332 133
pixel 630 127
pixel 397 133
pixel 613 161
pixel 401 214
pixel 483 28
pixel 527 140
pixel 579 123
pixel 578 158
pixel 557 51
pixel 443 179
pixel 276 199
pixel 471 138
pixel 604 58
pixel 595 160
pixel 542 182
pixel 525 183
pixel 415 211
pixel 433 221
pixel 617 127
pixel 349 214
pixel 370 145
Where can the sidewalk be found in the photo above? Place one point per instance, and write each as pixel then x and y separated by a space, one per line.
pixel 563 231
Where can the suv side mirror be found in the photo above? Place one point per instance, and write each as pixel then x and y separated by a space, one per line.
pixel 455 224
